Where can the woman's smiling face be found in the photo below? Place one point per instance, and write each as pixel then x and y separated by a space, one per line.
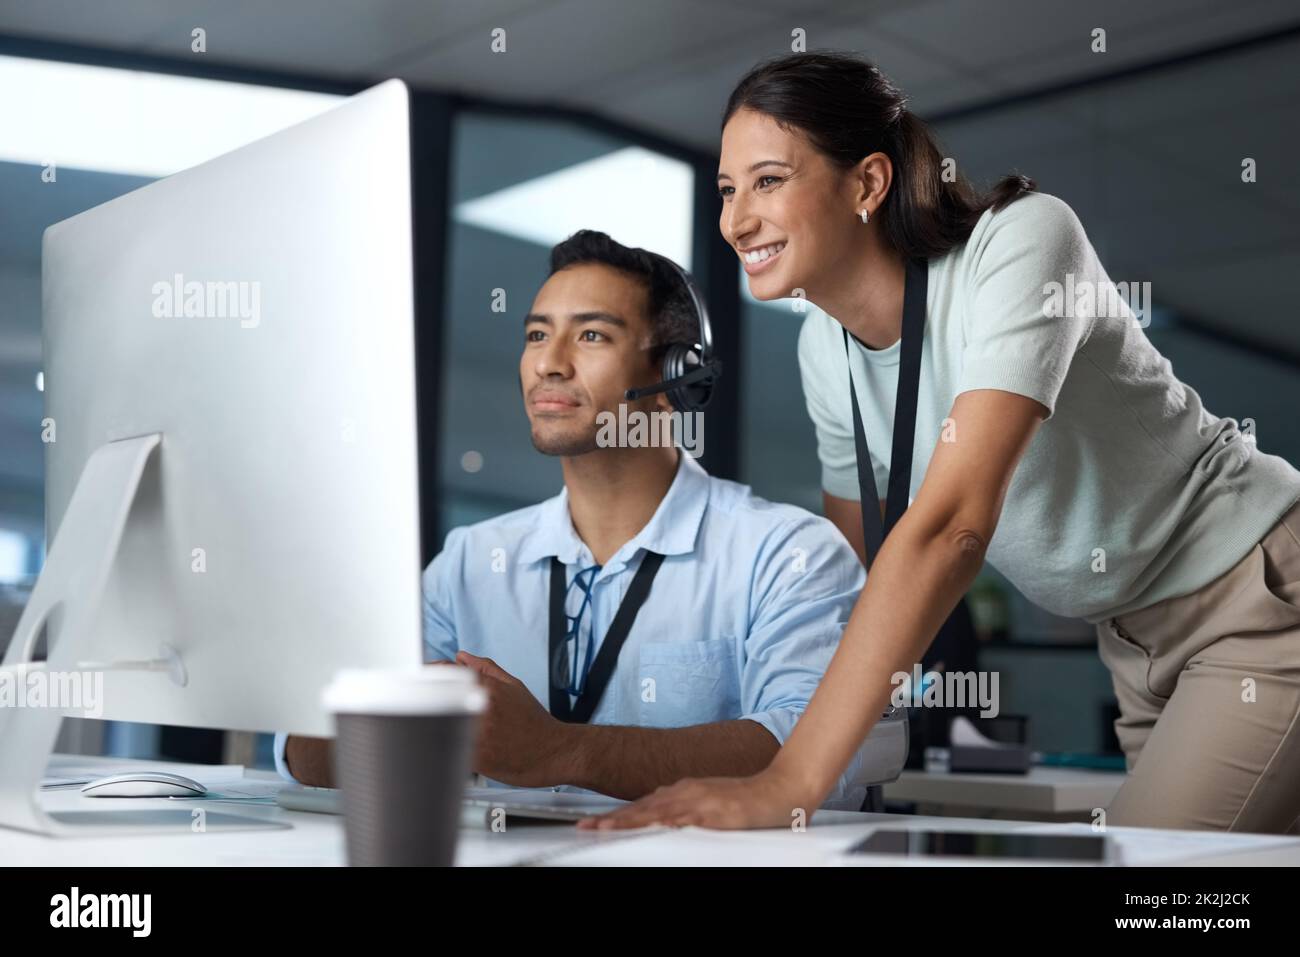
pixel 787 210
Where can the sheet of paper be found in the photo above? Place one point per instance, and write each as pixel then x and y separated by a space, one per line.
pixel 964 733
pixel 51 783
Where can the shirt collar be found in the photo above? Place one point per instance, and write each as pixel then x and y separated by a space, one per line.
pixel 672 529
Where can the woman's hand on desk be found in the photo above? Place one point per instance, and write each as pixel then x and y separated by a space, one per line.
pixel 761 800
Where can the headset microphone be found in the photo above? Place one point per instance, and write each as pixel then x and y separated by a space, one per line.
pixel 689 369
pixel 703 374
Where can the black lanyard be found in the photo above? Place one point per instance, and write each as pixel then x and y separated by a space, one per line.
pixel 874 528
pixel 602 669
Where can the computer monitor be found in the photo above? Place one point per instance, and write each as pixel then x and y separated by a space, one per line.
pixel 231 487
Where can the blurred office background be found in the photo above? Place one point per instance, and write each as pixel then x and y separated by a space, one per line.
pixel 606 115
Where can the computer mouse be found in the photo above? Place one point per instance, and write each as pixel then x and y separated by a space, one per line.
pixel 139 784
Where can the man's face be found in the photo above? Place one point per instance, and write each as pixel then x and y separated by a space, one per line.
pixel 587 339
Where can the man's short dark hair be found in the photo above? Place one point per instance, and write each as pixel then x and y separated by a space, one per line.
pixel 668 302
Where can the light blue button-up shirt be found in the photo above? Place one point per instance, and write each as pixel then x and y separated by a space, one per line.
pixel 741 621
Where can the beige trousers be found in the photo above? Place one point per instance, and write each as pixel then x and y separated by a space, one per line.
pixel 1209 694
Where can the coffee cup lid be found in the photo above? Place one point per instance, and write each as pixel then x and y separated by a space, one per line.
pixel 432 689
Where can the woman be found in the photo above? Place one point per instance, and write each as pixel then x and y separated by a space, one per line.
pixel 1051 439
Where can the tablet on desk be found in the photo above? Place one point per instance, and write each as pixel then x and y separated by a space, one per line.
pixel 989 845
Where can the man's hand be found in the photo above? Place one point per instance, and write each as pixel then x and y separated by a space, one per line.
pixel 519 743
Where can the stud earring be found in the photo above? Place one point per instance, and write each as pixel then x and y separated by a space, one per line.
pixel 864 214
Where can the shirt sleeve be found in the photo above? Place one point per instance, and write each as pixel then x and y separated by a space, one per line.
pixel 824 373
pixel 277 750
pixel 1019 336
pixel 437 585
pixel 806 583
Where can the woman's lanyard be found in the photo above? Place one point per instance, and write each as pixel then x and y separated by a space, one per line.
pixel 602 669
pixel 874 528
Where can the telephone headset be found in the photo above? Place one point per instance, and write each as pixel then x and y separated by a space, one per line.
pixel 689 369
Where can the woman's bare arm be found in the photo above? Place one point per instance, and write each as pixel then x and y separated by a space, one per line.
pixel 925 566
pixel 846 515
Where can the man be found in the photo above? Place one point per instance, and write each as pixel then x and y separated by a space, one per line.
pixel 744 609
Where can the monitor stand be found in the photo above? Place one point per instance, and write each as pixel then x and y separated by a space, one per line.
pixel 71 584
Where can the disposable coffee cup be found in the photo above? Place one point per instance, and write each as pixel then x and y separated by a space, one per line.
pixel 402 758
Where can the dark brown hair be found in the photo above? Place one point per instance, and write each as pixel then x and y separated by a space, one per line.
pixel 668 303
pixel 848 109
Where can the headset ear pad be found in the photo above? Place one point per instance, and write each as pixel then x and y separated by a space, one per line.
pixel 680 359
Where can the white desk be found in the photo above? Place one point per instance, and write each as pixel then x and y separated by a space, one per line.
pixel 317 839
pixel 1045 792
